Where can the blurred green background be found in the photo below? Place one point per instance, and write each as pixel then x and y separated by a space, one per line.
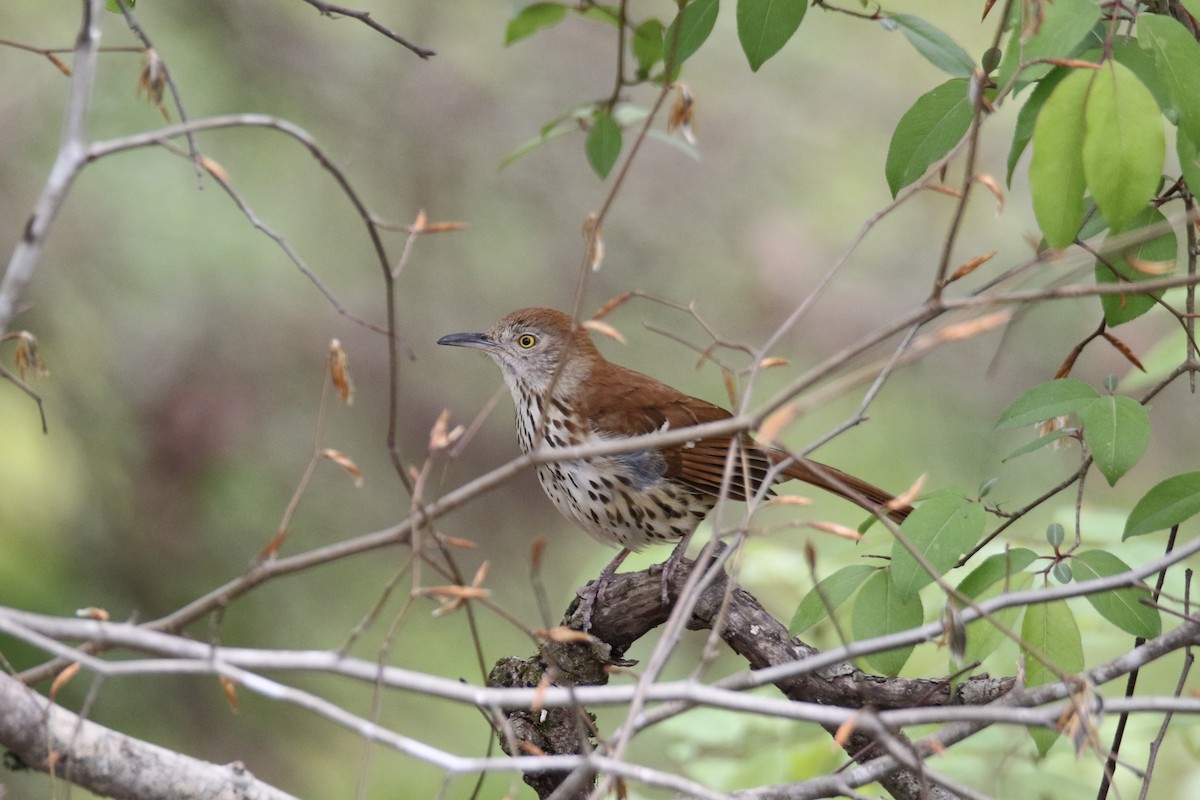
pixel 187 353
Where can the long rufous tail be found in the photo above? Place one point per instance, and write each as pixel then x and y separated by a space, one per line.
pixel 856 490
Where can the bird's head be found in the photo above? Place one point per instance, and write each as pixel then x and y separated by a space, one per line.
pixel 529 344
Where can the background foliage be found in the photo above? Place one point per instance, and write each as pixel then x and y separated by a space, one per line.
pixel 186 351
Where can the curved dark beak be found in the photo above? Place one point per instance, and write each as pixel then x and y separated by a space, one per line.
pixel 479 341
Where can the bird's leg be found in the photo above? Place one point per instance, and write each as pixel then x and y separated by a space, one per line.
pixel 668 567
pixel 594 594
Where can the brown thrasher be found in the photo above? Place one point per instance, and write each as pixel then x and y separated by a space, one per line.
pixel 567 394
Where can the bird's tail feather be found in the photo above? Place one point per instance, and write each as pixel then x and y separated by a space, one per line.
pixel 856 490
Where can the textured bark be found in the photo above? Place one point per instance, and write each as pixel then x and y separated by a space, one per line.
pixel 39 733
pixel 633 607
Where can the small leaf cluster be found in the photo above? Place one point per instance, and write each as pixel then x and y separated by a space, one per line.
pixel 1103 81
pixel 947 525
pixel 886 599
pixel 1115 429
pixel 1117 432
pixel 659 48
pixel 932 540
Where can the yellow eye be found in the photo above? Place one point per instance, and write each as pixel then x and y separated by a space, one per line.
pixel 526 341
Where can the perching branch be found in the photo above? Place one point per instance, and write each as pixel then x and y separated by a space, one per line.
pixel 48 738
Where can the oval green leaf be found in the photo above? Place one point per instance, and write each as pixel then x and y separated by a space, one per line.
pixel 687 32
pixel 1177 61
pixel 1169 503
pixel 1189 160
pixel 984 635
pixel 603 144
pixel 1121 607
pixel 944 527
pixel 1061 33
pixel 995 568
pixel 648 45
pixel 1123 145
pixel 1155 254
pixel 550 131
pixel 1049 632
pixel 995 574
pixel 1040 442
pixel 827 595
pixel 926 132
pixel 1056 176
pixel 1047 401
pixel 764 27
pixel 1027 116
pixel 938 48
pixel 1126 50
pixel 531 19
pixel 1117 430
pixel 877 612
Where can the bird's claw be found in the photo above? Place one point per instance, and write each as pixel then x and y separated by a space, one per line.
pixel 587 605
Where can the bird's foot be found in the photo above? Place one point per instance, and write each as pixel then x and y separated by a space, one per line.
pixel 669 566
pixel 593 594
pixel 587 604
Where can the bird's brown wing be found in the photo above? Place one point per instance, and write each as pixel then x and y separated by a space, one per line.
pixel 627 403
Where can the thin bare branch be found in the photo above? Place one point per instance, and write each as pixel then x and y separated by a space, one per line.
pixel 329 10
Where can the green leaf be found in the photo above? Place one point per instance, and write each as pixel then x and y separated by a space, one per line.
pixel 1168 503
pixel 603 144
pixel 610 14
pixel 1117 429
pixel 1177 59
pixel 1123 145
pixel 1159 250
pixel 694 23
pixel 1040 442
pixel 1047 401
pixel 827 595
pixel 994 569
pixel 879 611
pixel 1094 223
pixel 938 48
pixel 1049 630
pixel 998 573
pixel 1027 116
pixel 1189 160
pixel 531 19
pixel 1127 51
pixel 553 129
pixel 926 132
pixel 1056 176
pixel 983 635
pixel 764 27
pixel 115 7
pixel 629 116
pixel 991 59
pixel 1121 607
pixel 648 45
pixel 944 527
pixel 1062 33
